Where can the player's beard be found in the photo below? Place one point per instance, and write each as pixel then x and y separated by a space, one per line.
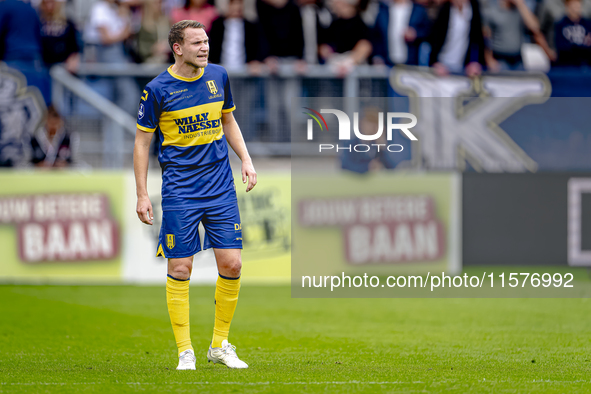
pixel 195 65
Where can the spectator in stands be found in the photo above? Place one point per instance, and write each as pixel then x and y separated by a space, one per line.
pixel 249 8
pixel 152 38
pixel 505 25
pixel 136 16
pixel 573 36
pixel 368 10
pixel 346 43
pixel 401 26
pixel 315 20
pixel 552 11
pixel 281 43
pixel 58 36
pixel 20 43
pixel 282 38
pixel 457 42
pixel 234 43
pixel 108 27
pixel 169 5
pixel 53 145
pixel 233 40
pixel 197 10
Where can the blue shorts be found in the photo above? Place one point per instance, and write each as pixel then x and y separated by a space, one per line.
pixel 179 234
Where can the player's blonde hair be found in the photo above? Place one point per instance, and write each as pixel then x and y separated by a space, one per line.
pixel 177 31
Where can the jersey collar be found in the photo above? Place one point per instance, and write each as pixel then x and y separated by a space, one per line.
pixel 183 78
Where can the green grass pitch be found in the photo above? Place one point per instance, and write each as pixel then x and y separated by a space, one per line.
pixel 118 339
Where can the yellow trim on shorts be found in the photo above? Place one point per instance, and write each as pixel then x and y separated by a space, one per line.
pixel 160 252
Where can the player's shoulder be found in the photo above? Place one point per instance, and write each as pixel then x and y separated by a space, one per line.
pixel 160 81
pixel 215 70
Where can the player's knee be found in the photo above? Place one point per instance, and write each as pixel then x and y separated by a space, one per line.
pixel 233 267
pixel 180 271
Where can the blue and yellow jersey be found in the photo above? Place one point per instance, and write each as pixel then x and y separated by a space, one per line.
pixel 193 153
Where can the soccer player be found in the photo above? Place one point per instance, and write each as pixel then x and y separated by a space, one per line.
pixel 190 107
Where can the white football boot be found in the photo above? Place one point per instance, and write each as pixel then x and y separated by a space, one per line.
pixel 186 360
pixel 225 355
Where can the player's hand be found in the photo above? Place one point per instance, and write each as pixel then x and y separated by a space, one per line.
pixel 144 210
pixel 249 173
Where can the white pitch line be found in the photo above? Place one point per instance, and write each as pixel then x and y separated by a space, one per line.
pixel 197 383
pixel 266 383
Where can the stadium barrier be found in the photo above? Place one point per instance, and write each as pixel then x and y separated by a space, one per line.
pixel 71 228
pixel 107 126
pixel 380 224
pixel 527 219
pixel 263 104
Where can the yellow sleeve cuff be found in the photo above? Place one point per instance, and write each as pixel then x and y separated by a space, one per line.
pixel 225 111
pixel 146 129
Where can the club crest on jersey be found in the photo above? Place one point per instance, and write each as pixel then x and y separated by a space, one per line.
pixel 212 86
pixel 170 241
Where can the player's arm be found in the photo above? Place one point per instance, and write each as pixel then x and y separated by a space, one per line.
pixel 141 159
pixel 236 141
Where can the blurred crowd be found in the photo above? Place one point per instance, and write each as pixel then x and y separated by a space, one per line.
pixel 259 36
pixel 452 36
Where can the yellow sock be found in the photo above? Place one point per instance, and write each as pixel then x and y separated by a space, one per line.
pixel 226 298
pixel 177 298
